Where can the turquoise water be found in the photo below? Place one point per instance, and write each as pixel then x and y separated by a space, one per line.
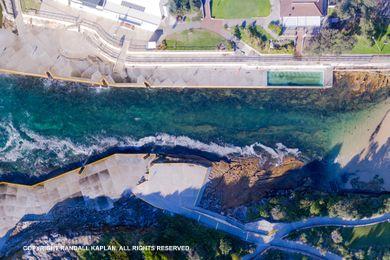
pixel 295 78
pixel 45 125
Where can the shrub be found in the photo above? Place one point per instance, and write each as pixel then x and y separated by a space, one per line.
pixel 276 27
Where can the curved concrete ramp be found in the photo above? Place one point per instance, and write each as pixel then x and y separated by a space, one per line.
pixel 173 186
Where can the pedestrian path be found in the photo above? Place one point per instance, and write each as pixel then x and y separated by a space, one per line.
pixel 120 63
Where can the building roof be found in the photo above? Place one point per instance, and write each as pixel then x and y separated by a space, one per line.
pixel 302 8
pixel 93 3
pixel 136 10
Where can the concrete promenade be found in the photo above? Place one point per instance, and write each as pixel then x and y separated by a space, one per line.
pixel 71 56
pixel 79 50
pixel 72 46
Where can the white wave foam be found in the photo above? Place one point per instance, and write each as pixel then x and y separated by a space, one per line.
pixel 33 150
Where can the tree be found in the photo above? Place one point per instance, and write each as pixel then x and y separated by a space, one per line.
pixel 237 32
pixel 180 7
pixel 163 45
pixel 331 41
pixel 315 208
pixel 278 213
pixel 303 238
pixel 196 4
pixel 336 236
pixel 361 17
pixel 117 254
pixel 225 247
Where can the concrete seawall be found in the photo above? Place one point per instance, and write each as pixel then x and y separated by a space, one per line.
pixel 181 78
pixel 106 179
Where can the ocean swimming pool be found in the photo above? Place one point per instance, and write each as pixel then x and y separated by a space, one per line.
pixel 295 78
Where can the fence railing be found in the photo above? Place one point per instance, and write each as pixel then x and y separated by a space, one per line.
pixel 102 47
pixel 117 42
pixel 57 16
pixel 98 29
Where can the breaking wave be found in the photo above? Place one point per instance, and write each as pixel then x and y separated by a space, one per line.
pixel 26 151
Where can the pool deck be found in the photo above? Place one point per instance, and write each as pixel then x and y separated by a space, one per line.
pixel 218 77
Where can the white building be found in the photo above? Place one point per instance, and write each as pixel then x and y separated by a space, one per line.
pixel 145 14
pixel 302 13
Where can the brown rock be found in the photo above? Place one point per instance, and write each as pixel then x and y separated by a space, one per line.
pixel 245 180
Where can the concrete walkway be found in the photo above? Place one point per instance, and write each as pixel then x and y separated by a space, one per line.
pixel 295 247
pixel 19 18
pixel 283 229
pixel 120 63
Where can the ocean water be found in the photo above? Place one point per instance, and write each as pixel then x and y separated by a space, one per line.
pixel 45 125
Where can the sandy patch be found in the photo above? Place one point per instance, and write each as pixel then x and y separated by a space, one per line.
pixel 365 149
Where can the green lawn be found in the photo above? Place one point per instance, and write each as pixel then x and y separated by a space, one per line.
pixel 30 5
pixel 230 9
pixel 363 237
pixel 363 45
pixel 331 10
pixel 196 39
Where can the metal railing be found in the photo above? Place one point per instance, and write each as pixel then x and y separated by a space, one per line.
pixel 102 47
pixel 57 16
pixel 102 33
pixel 98 29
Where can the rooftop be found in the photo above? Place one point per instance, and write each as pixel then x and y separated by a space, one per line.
pixel 145 11
pixel 302 8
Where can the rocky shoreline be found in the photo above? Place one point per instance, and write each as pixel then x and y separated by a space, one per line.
pixel 244 180
pixel 74 223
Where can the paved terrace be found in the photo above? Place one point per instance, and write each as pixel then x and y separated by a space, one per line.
pixel 69 55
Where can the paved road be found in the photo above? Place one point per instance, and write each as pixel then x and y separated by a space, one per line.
pixel 347 59
pixel 157 57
